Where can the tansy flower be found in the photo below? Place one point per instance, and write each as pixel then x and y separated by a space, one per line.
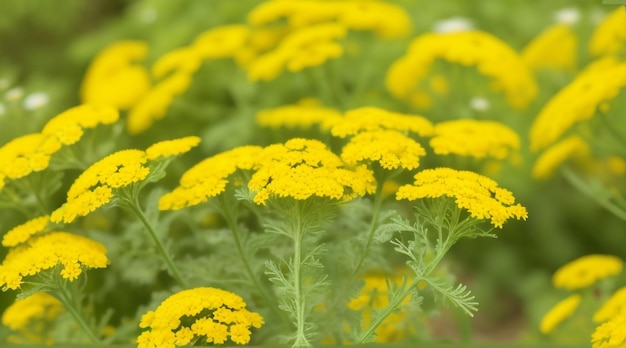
pixel 21 233
pixel 70 252
pixel 32 316
pixel 586 270
pixel 474 138
pixel 477 194
pixel 212 314
pixel 558 313
pixel 492 58
pixel 169 148
pixel 555 48
pixel 390 148
pixel 302 168
pixel 183 60
pixel 221 42
pixel 372 119
pixel 26 154
pixel 558 153
pixel 304 114
pixel 68 126
pixel 611 334
pixel 576 102
pixel 610 36
pixel 209 177
pixel 114 78
pixel 615 305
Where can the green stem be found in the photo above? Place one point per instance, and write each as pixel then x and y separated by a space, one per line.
pixel 373 224
pixel 300 301
pixel 160 247
pixel 66 298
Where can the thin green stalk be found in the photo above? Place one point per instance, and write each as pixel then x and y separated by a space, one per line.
pixel 300 301
pixel 66 299
pixel 160 247
pixel 378 199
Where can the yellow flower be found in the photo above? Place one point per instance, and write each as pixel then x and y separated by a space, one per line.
pixel 21 233
pixel 474 138
pixel 576 102
pixel 555 48
pixel 477 194
pixel 32 315
pixel 610 36
pixel 221 42
pixel 492 58
pixel 558 153
pixel 586 270
pixel 612 307
pixel 93 188
pixel 210 313
pixel 26 154
pixel 386 19
pixel 68 126
pixel 302 168
pixel 304 114
pixel 611 334
pixel 169 148
pixel 114 79
pixel 184 60
pixel 372 119
pixel 209 177
pixel 71 252
pixel 558 313
pixel 390 148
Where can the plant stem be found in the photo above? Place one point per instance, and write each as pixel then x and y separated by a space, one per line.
pixel 373 224
pixel 300 301
pixel 160 247
pixel 66 299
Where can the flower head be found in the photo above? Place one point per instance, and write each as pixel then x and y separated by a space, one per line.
pixel 21 233
pixel 31 315
pixel 555 155
pixel 478 194
pixel 541 52
pixel 615 305
pixel 26 154
pixel 302 168
pixel 372 119
pixel 559 312
pixel 611 334
pixel 586 270
pixel 610 36
pixel 214 314
pixel 474 138
pixel 72 253
pixel 304 114
pixel 221 42
pixel 169 148
pixel 390 148
pixel 68 126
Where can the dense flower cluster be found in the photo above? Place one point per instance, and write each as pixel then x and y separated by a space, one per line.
pixel 559 312
pixel 31 316
pixel 556 48
pixel 72 253
pixel 614 306
pixel 586 270
pixel 555 155
pixel 372 119
pixel 390 148
pixel 610 36
pixel 170 148
pixel 21 233
pixel 478 194
pixel 611 334
pixel 214 315
pixel 305 114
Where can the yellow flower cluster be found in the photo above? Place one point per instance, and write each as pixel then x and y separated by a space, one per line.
pixel 576 102
pixel 214 315
pixel 386 19
pixel 492 58
pixel 169 148
pixel 304 114
pixel 614 306
pixel 390 148
pixel 31 153
pixel 474 138
pixel 302 168
pixel 114 78
pixel 611 334
pixel 555 155
pixel 561 311
pixel 555 48
pixel 21 233
pixel 31 315
pixel 372 119
pixel 586 270
pixel 478 194
pixel 209 177
pixel 71 252
pixel 610 36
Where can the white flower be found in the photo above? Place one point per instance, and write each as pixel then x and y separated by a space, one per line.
pixel 454 24
pixel 14 94
pixel 479 104
pixel 568 15
pixel 35 101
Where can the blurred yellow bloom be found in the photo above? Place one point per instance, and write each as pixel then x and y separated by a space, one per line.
pixel 32 316
pixel 304 114
pixel 184 60
pixel 477 194
pixel 26 154
pixel 474 138
pixel 615 305
pixel 68 126
pixel 213 314
pixel 71 252
pixel 555 48
pixel 21 233
pixel 586 270
pixel 561 311
pixel 169 148
pixel 114 79
pixel 610 36
pixel 554 156
pixel 492 58
pixel 390 148
pixel 611 334
pixel 371 119
pixel 221 42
